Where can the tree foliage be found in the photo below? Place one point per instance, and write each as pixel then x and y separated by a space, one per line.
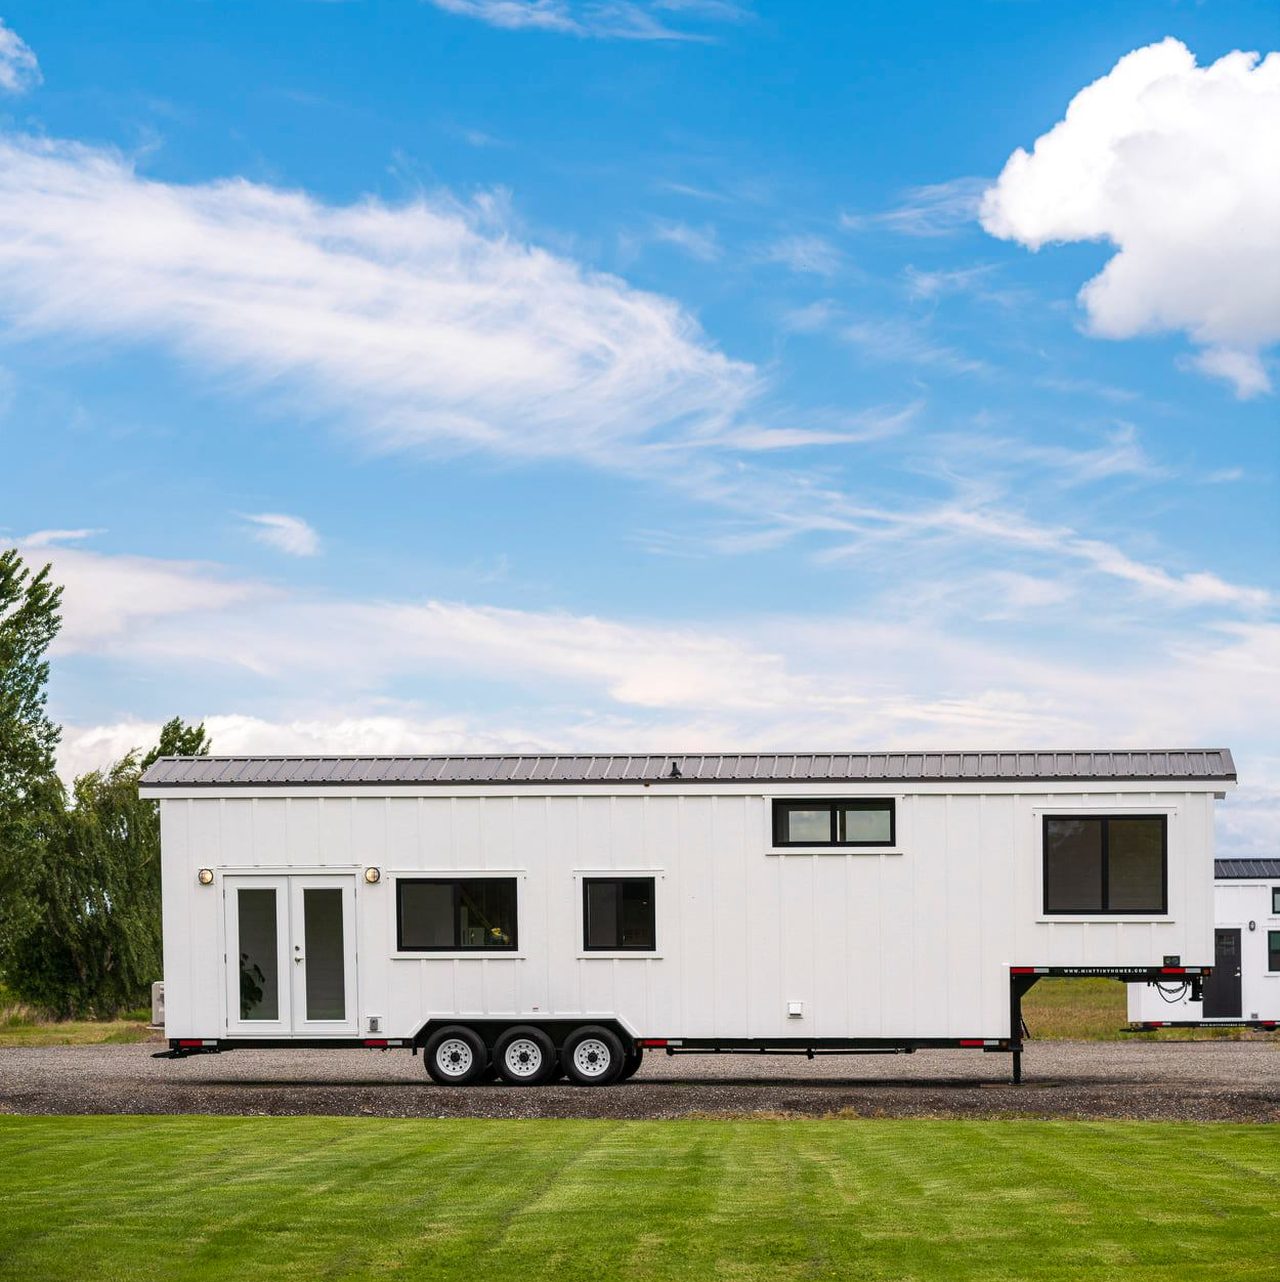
pixel 30 795
pixel 96 944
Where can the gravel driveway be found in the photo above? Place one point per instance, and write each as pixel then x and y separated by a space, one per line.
pixel 1195 1081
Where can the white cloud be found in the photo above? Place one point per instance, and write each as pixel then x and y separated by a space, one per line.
pixel 939 209
pixel 601 19
pixel 425 324
pixel 1174 165
pixel 808 254
pixel 54 538
pixel 546 680
pixel 19 70
pixel 289 534
pixel 701 243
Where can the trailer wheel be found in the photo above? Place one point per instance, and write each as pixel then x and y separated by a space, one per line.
pixel 631 1061
pixel 524 1056
pixel 592 1056
pixel 455 1056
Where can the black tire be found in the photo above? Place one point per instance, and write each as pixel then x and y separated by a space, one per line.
pixel 592 1056
pixel 631 1061
pixel 524 1056
pixel 455 1056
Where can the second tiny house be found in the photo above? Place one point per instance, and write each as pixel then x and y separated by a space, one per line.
pixel 545 914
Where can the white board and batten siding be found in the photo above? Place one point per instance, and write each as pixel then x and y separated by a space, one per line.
pixel 912 941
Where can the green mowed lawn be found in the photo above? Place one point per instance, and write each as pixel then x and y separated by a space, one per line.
pixel 281 1198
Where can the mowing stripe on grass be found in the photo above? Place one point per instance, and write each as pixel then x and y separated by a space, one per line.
pixel 342 1198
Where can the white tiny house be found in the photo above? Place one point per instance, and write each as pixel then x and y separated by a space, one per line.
pixel 532 915
pixel 1244 987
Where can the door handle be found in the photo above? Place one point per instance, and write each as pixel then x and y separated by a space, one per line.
pixel 296 960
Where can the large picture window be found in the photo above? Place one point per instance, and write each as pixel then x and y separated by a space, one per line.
pixel 840 822
pixel 1105 864
pixel 618 914
pixel 439 914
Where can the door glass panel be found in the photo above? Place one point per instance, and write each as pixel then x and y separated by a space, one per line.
pixel 324 953
pixel 259 954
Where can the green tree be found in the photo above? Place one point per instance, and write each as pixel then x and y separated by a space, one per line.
pixel 30 794
pixel 95 945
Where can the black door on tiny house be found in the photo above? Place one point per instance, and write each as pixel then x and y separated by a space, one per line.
pixel 1222 988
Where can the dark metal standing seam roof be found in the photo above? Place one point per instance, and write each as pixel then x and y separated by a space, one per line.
pixel 1196 765
pixel 1246 869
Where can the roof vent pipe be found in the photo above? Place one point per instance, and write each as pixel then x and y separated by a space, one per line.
pixel 674 772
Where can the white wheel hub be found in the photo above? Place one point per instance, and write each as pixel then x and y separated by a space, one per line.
pixel 591 1057
pixel 523 1058
pixel 454 1057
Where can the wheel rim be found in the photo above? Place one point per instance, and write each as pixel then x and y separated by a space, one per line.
pixel 591 1057
pixel 454 1057
pixel 523 1058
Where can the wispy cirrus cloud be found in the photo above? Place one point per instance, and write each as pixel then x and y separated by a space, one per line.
pixel 289 534
pixel 430 324
pixel 936 209
pixel 19 68
pixel 600 19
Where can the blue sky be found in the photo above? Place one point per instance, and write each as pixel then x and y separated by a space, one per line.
pixel 473 374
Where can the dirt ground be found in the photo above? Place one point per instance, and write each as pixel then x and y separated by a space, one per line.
pixel 1192 1081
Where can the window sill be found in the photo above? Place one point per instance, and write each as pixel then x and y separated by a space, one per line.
pixel 629 954
pixel 861 851
pixel 471 954
pixel 1107 919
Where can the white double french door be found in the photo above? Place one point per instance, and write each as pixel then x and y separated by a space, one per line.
pixel 291 958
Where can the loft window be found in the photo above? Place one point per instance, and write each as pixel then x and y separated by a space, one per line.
pixel 1106 864
pixel 618 914
pixel 468 914
pixel 841 822
pixel 1273 950
pixel 1275 901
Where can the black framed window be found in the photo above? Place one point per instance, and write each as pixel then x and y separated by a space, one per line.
pixel 1275 901
pixel 839 822
pixel 1273 950
pixel 618 914
pixel 455 914
pixel 1111 864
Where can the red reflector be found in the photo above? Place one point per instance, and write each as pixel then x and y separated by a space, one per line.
pixel 1155 1023
pixel 971 1041
pixel 190 1041
pixel 653 1041
pixel 375 1041
pixel 1021 970
pixel 1173 970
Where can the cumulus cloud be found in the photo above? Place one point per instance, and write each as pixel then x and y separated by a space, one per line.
pixel 1174 165
pixel 289 534
pixel 424 324
pixel 19 70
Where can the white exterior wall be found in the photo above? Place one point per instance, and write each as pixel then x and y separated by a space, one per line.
pixel 914 942
pixel 1236 904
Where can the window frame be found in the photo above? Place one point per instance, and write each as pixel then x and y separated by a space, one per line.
pixel 1275 901
pixel 587 881
pixel 782 806
pixel 455 947
pixel 1162 910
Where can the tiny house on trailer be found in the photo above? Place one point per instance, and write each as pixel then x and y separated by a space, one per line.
pixel 1244 989
pixel 536 914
